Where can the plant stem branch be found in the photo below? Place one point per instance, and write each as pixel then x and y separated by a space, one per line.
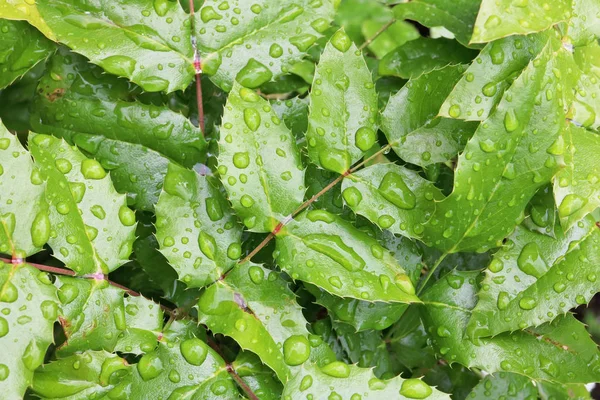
pixel 376 35
pixel 198 69
pixel 247 390
pixel 47 268
pixel 431 272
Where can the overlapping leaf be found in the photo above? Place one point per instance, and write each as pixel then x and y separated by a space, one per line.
pixel 257 42
pixel 259 163
pixel 535 278
pixel 411 124
pixel 507 385
pixel 92 229
pixel 561 351
pixel 500 18
pixel 24 10
pixel 29 309
pixel 343 107
pixel 502 167
pixel 25 225
pixel 196 228
pixel 133 140
pixel 258 377
pixel 22 47
pixel 322 249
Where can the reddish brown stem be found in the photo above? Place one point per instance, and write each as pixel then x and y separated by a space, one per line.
pixel 241 383
pixel 47 268
pixel 198 69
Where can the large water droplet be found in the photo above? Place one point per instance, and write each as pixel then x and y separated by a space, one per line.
pixel 337 369
pixel 91 169
pixel 252 119
pixel 415 389
pixel 334 160
pixel 207 245
pixel 333 247
pixel 9 292
pixel 352 196
pixel 341 41
pixel 394 190
pixel 530 261
pixel 527 303
pixel 241 160
pixel 194 351
pixel 254 74
pixel 296 350
pixel 570 205
pixel 365 138
pixel 119 65
pixel 126 216
pixel 3 327
pixel 511 123
pixel 40 229
pixel 150 366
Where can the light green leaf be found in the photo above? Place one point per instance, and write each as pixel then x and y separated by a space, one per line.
pixel 22 47
pixel 131 139
pixel 423 55
pixel 491 73
pixel 458 16
pixel 29 309
pixel 500 18
pixel 294 113
pixel 561 351
pixel 505 385
pixel 352 14
pixel 322 249
pixel 148 43
pixel 576 391
pixel 90 374
pixel 584 24
pixel 343 381
pixel 535 278
pixel 542 215
pixel 576 188
pixel 144 321
pixel 585 109
pixel 395 35
pixel 196 228
pixel 24 10
pixel 412 127
pixel 182 366
pixel 259 163
pixel 343 107
pixel 85 210
pixel 257 42
pixel 25 225
pixel 258 377
pixel 255 307
pixel 502 167
pixel 93 314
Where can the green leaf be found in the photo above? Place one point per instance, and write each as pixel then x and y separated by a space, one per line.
pixel 144 321
pixel 25 225
pixel 148 43
pixel 561 351
pixel 258 377
pixel 506 385
pixel 23 10
pixel 423 55
pixel 196 228
pixel 353 14
pixel 85 210
pixel 549 390
pixel 90 374
pixel 343 90
pixel 93 314
pixel 22 47
pixel 502 167
pixel 255 307
pixel 542 213
pixel 500 18
pixel 493 71
pixel 583 25
pixel 412 127
pixel 324 250
pixel 586 105
pixel 457 16
pixel 395 35
pixel 259 163
pixel 576 188
pixel 535 278
pixel 294 113
pixel 339 380
pixel 131 139
pixel 257 42
pixel 29 309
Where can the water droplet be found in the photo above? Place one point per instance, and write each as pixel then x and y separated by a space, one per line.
pixel 194 351
pixel 247 201
pixel 256 274
pixel 276 50
pixel 63 165
pixel 337 369
pixel 548 366
pixel 511 123
pixel 352 196
pixel 40 229
pixel 527 303
pixel 119 65
pixel 385 221
pixel 454 111
pixel 365 138
pixel 234 251
pixel 67 293
pixel 9 292
pixel 240 325
pixel 492 22
pixel 91 169
pixel 497 53
pixel 530 261
pixel 126 216
pixel 252 119
pixel 334 160
pixel 303 41
pixel 208 13
pixel 394 190
pixel 49 310
pixel 489 89
pixel 150 366
pixel 570 205
pixel 442 331
pixel 341 41
pixel 241 160
pixel 4 372
pixel 503 300
pixel 335 282
pixel 333 247
pixel 62 208
pixel 306 383
pixel 404 283
pixel 207 245
pixel 415 389
pixel 296 350
pixel 154 83
pixel 3 327
pixel 254 74
pixel 98 211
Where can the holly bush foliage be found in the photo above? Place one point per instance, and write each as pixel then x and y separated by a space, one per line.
pixel 298 199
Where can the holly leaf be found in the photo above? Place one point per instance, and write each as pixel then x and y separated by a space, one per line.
pixel 560 351
pixel 135 141
pixel 357 265
pixel 395 35
pixel 423 55
pixel 412 127
pixel 29 309
pixel 456 16
pixel 576 188
pixel 21 49
pixel 259 163
pixel 25 225
pixel 535 278
pixel 500 18
pixel 257 376
pixel 344 381
pixel 487 78
pixel 503 384
pixel 144 323
pixel 196 228
pixel 342 90
pixel 92 228
pixel 82 375
pixel 500 170
pixel 23 10
pixel 294 113
pixel 257 42
pixel 147 43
